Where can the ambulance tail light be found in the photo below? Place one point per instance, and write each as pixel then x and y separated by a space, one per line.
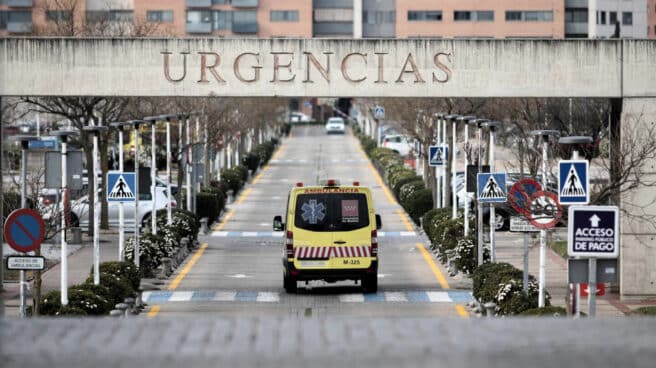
pixel 289 244
pixel 356 183
pixel 374 243
pixel 331 183
pixel 299 184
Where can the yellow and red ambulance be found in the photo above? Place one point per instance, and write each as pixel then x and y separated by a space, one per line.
pixel 330 234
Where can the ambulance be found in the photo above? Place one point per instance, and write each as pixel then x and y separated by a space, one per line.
pixel 329 234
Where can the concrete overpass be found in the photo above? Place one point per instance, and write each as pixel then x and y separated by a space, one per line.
pixel 618 69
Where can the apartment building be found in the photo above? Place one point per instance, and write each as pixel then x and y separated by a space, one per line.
pixel 344 18
pixel 601 18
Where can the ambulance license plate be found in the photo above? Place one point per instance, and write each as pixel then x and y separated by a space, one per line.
pixel 313 263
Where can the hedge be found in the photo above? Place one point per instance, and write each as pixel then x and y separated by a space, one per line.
pixel 209 203
pixel 233 179
pixel 419 203
pixel 551 311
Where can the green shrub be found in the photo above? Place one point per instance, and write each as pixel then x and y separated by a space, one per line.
pixel 150 252
pixel 408 189
pixel 402 179
pixel 243 170
pixel 100 291
pixel 218 186
pixel 119 287
pixel 50 303
pixel 502 284
pixel 70 311
pixel 451 231
pixel 232 179
pixel 551 311
pixel 435 226
pixel 466 258
pixel 647 311
pixel 209 204
pixel 251 161
pixel 368 144
pixel 264 151
pixel 122 269
pixel 420 202
pixel 88 301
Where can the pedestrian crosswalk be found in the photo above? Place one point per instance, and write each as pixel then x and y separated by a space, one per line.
pixel 279 234
pixel 334 160
pixel 450 296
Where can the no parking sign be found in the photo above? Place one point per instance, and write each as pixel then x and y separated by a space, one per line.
pixel 24 230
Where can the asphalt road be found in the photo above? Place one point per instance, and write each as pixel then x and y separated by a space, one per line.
pixel 239 271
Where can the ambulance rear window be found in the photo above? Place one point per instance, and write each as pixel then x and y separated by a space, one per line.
pixel 331 211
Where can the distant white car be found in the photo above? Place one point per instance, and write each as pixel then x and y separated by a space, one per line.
pixel 335 125
pixel 299 117
pixel 80 209
pixel 398 143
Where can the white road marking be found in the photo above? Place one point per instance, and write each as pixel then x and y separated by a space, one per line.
pixel 351 298
pixel 438 296
pixel 181 296
pixel 268 297
pixel 395 297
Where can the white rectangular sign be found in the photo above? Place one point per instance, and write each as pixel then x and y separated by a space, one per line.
pixel 593 232
pixel 522 225
pixel 25 263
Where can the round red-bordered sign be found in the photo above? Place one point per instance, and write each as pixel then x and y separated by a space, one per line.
pixel 545 210
pixel 24 230
pixel 520 194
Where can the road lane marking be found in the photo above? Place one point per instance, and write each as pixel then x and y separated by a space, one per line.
pixel 223 222
pixel 405 220
pixel 153 311
pixel 243 195
pixel 462 312
pixel 431 263
pixel 251 296
pixel 178 279
pixel 280 234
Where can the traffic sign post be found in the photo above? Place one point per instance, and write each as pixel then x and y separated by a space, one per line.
pixel 379 112
pixel 121 186
pixel 491 187
pixel 24 231
pixel 521 224
pixel 438 155
pixel 26 263
pixel 573 182
pixel 593 232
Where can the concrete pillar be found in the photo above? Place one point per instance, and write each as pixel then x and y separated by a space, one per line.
pixel 357 19
pixel 592 19
pixel 638 234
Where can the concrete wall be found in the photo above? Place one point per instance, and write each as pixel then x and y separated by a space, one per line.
pixel 490 68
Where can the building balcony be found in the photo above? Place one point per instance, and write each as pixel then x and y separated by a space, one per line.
pixel 332 4
pixel 198 28
pixel 242 28
pixel 20 3
pixel 576 28
pixel 198 3
pixel 576 3
pixel 333 29
pixel 245 3
pixel 19 27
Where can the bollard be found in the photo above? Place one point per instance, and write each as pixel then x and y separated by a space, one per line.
pixel 184 242
pixel 166 267
pixel 203 225
pixel 76 235
pixel 115 313
pixel 138 303
pixel 123 308
pixel 450 254
pixel 130 302
pixel 489 309
pixel 230 194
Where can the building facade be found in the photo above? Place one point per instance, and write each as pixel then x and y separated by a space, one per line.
pixel 341 18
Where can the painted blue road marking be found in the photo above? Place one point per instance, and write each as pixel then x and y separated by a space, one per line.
pixel 246 296
pixel 378 297
pixel 279 234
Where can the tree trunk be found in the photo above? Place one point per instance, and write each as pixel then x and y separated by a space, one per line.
pixel 104 165
pixel 616 147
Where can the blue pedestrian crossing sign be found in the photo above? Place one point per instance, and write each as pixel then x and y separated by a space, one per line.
pixel 573 182
pixel 492 187
pixel 438 155
pixel 120 186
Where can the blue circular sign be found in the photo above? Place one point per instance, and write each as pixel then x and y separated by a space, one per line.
pixel 24 230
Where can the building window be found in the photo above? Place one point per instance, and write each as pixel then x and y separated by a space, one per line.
pixel 222 19
pixel 538 16
pixel 245 16
pixel 220 2
pixel 480 15
pixel 378 16
pixel 284 16
pixel 424 15
pixel 109 16
pixel 627 18
pixel 59 15
pixel 164 16
pixel 19 16
pixel 601 17
pixel 513 16
pixel 196 17
pixel 575 15
pixel 612 17
pixel 3 20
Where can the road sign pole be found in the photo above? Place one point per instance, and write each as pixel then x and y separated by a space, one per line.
pixel 466 200
pixel 525 273
pixel 96 213
pixel 64 246
pixel 493 250
pixel 444 172
pixel 137 191
pixel 169 215
pixel 188 161
pixel 454 199
pixel 23 282
pixel 543 232
pixel 438 170
pixel 592 286
pixel 121 208
pixel 194 167
pixel 153 178
pixel 479 216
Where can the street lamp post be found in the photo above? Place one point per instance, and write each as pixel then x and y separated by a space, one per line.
pixel 454 203
pixel 169 214
pixel 136 124
pixel 121 208
pixel 25 145
pixel 479 217
pixel 438 170
pixel 189 161
pixel 575 141
pixel 152 120
pixel 464 120
pixel 493 126
pixel 63 135
pixel 543 232
pixel 95 130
